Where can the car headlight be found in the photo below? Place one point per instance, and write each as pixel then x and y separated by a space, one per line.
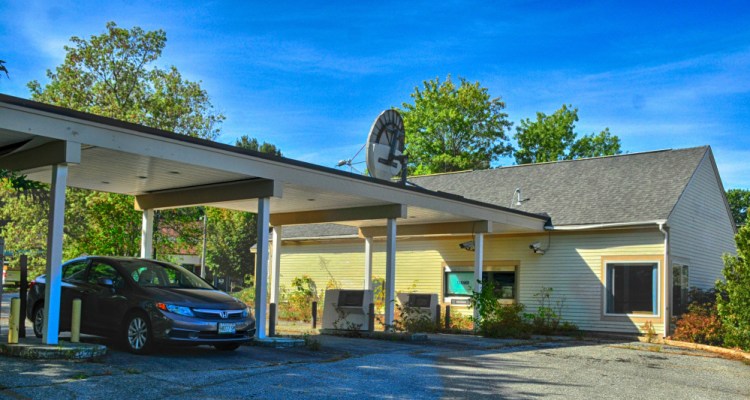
pixel 181 310
pixel 245 312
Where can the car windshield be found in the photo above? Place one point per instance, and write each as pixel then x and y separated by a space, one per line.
pixel 152 274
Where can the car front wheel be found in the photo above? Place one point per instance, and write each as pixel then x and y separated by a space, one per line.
pixel 38 321
pixel 137 334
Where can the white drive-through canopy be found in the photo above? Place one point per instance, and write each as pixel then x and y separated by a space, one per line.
pixel 165 170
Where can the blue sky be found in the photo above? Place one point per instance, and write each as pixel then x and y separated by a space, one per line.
pixel 311 78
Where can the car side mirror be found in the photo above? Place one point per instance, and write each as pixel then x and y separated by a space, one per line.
pixel 106 282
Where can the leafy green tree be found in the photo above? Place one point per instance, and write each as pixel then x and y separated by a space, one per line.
pixel 231 233
pixel 454 127
pixel 246 142
pixel 553 138
pixel 733 300
pixel 113 75
pixel 739 203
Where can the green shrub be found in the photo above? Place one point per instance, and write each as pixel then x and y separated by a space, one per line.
pixel 506 321
pixel 510 320
pixel 733 305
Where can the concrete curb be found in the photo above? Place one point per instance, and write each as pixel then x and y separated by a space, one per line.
pixel 705 347
pixel 30 349
pixel 394 336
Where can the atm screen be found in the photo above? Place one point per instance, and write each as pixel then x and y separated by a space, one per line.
pixel 419 300
pixel 351 298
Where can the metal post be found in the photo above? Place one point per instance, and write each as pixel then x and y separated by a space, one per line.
pixel 478 264
pixel 390 271
pixel 447 317
pixel 261 266
pixel 203 250
pixel 314 314
pixel 272 319
pixel 75 322
pixel 368 263
pixel 147 233
pixel 53 286
pixel 15 309
pixel 437 315
pixel 23 261
pixel 275 265
pixel 371 317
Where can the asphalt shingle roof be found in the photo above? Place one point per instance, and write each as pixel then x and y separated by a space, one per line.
pixel 625 188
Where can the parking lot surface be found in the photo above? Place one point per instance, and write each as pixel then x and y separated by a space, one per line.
pixel 446 366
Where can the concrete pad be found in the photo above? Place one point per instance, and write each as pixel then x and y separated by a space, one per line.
pixel 278 342
pixel 33 348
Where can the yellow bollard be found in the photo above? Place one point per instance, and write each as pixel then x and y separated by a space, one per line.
pixel 75 322
pixel 14 320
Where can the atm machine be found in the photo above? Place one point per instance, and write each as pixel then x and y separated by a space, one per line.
pixel 347 309
pixel 425 303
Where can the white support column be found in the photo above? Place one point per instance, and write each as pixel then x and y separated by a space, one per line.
pixel 275 266
pixel 478 262
pixel 261 267
pixel 52 289
pixel 390 270
pixel 368 263
pixel 147 234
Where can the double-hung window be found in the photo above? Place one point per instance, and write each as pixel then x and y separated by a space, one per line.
pixel 632 288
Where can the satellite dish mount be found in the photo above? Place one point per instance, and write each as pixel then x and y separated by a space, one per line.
pixel 385 147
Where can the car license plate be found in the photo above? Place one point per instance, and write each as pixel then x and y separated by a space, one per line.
pixel 225 328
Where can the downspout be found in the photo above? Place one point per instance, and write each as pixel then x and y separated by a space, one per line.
pixel 667 287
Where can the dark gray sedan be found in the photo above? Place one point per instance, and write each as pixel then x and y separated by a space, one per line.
pixel 143 302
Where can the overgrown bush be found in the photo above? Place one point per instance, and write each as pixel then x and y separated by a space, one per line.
pixel 546 320
pixel 700 324
pixel 298 303
pixel 733 305
pixel 378 294
pixel 510 320
pixel 413 320
pixel 246 296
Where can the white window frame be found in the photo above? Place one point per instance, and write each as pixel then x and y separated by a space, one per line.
pixel 658 288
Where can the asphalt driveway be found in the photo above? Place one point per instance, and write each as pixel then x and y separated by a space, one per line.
pixel 445 367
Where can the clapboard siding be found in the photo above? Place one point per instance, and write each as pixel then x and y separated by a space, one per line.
pixel 572 266
pixel 700 227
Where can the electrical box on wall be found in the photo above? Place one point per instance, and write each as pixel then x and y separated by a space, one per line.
pixel 347 309
pixel 422 302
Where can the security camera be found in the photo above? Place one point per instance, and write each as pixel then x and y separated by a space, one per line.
pixel 468 246
pixel 536 247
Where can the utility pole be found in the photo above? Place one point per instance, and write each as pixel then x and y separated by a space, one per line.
pixel 203 252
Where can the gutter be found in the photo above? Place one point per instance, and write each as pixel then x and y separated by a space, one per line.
pixel 659 222
pixel 667 286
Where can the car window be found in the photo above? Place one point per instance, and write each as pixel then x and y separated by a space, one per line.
pixel 100 270
pixel 74 270
pixel 152 274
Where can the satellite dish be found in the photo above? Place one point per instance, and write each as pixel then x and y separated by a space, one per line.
pixel 385 147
